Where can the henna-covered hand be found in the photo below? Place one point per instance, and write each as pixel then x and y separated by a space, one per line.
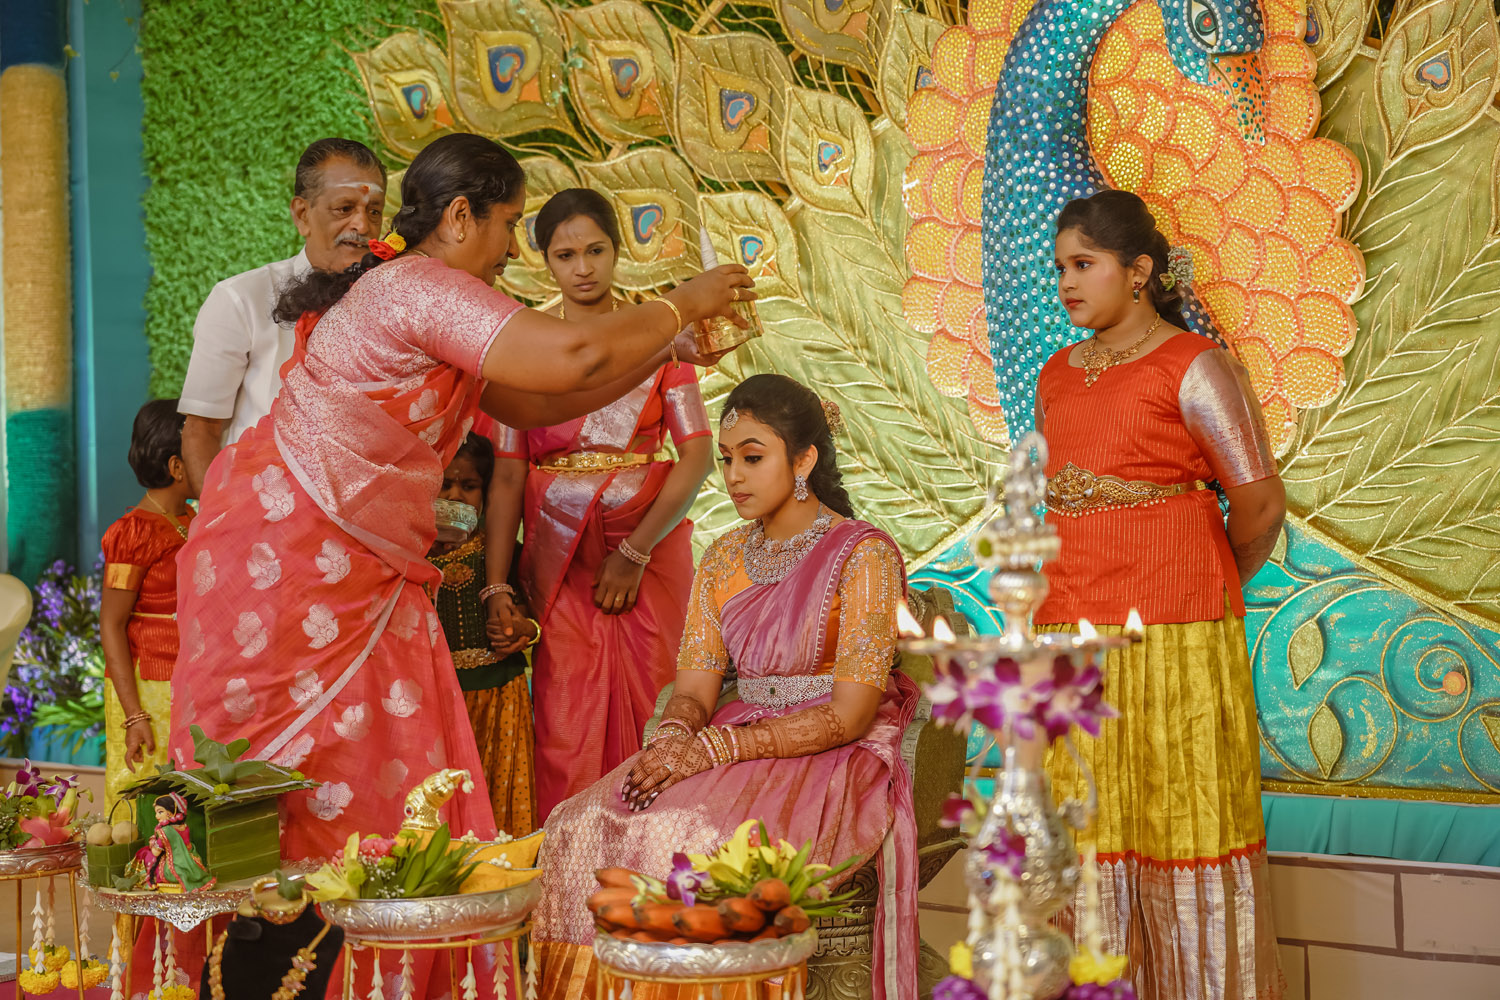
pixel 685 708
pixel 800 734
pixel 663 764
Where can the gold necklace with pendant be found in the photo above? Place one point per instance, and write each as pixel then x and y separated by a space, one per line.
pixel 1098 359
pixel 562 307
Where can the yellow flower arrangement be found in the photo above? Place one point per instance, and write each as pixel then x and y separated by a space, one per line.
pixel 53 956
pixel 961 960
pixel 395 241
pixel 39 983
pixel 176 991
pixel 1092 967
pixel 94 973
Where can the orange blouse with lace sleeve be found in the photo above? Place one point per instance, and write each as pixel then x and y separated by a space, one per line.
pixel 861 644
pixel 140 554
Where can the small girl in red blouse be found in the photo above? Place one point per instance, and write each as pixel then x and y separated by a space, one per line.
pixel 138 614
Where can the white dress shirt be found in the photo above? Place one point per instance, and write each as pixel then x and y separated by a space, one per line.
pixel 238 350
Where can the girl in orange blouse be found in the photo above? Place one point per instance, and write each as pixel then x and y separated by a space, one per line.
pixel 1140 418
pixel 138 613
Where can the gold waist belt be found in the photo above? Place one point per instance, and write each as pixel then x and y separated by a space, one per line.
pixel 1074 492
pixel 597 461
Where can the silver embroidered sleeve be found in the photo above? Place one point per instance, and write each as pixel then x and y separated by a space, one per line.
pixel 684 412
pixel 1223 416
pixel 868 591
pixel 509 442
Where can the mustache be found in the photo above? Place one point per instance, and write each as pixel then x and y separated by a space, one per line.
pixel 352 239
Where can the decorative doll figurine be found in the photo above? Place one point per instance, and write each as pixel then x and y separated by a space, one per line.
pixel 168 862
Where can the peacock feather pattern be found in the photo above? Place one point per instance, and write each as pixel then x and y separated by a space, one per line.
pixel 1206 108
pixel 780 131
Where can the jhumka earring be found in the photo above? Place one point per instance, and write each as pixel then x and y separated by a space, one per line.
pixel 800 490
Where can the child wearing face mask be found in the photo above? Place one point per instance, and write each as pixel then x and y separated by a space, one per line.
pixel 491 674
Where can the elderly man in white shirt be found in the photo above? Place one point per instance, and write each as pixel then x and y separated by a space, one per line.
pixel 238 349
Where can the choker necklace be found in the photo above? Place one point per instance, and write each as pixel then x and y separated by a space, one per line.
pixel 1098 359
pixel 768 561
pixel 562 307
pixel 181 529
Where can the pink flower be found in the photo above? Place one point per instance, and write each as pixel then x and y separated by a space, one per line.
pixel 1007 852
pixel 376 847
pixel 956 809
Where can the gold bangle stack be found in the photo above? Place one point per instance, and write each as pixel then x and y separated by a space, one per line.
pixel 130 720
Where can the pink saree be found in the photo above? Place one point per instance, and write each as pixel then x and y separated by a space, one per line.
pixel 595 677
pixel 800 636
pixel 304 623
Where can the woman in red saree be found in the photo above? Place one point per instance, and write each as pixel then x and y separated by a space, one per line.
pixel 608 559
pixel 305 621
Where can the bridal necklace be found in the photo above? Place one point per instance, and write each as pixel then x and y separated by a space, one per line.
pixel 769 561
pixel 1098 359
pixel 562 308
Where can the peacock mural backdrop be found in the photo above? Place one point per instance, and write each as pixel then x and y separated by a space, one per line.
pixel 890 173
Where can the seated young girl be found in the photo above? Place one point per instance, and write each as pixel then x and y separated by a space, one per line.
pixel 491 673
pixel 802 601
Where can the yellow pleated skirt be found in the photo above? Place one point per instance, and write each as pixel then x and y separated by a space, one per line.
pixel 503 730
pixel 156 698
pixel 1179 832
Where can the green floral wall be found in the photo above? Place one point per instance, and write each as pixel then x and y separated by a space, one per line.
pixel 233 91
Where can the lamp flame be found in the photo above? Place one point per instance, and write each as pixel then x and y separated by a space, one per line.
pixel 1133 626
pixel 1086 630
pixel 940 630
pixel 906 622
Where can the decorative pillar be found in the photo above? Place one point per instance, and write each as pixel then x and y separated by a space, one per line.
pixel 35 281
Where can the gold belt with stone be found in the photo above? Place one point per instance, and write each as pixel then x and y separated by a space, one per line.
pixel 1074 492
pixel 579 462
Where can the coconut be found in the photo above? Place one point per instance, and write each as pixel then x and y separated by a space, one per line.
pixel 99 835
pixel 124 832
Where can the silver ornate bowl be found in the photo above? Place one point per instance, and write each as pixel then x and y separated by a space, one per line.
pixel 435 916
pixel 722 960
pixel 456 520
pixel 27 861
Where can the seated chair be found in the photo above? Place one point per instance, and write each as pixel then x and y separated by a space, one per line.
pixel 841 968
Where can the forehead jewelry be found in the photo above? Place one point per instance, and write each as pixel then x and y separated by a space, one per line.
pixel 730 418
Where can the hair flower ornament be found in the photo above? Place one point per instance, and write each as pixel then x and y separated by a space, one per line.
pixel 834 416
pixel 389 247
pixel 1179 268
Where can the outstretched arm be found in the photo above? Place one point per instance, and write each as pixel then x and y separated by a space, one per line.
pixel 537 353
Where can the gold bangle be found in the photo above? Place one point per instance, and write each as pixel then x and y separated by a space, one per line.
pixel 681 323
pixel 536 638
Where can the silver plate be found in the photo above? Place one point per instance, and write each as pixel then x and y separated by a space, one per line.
pixel 436 916
pixel 185 910
pixel 24 862
pixel 724 960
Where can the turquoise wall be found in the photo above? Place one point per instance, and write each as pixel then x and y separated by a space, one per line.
pixel 110 266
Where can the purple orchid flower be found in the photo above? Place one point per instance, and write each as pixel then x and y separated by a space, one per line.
pixel 957 988
pixel 685 883
pixel 946 693
pixel 1120 989
pixel 1073 697
pixel 27 780
pixel 999 699
pixel 1007 853
pixel 956 810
